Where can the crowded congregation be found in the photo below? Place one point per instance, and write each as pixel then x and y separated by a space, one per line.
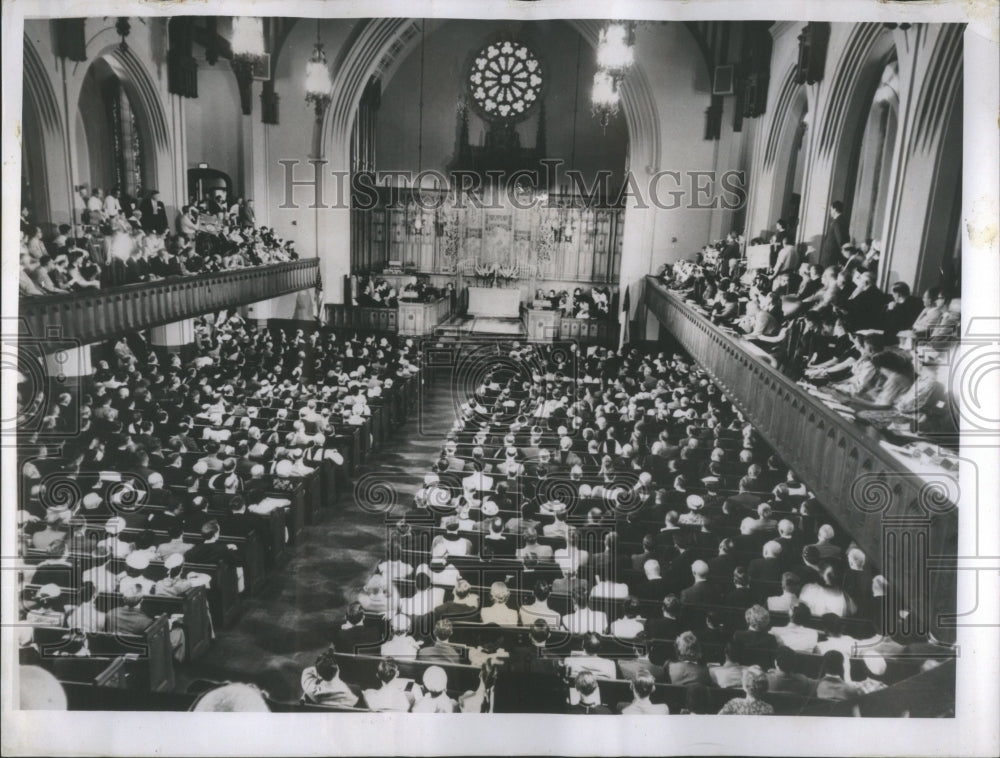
pixel 394 379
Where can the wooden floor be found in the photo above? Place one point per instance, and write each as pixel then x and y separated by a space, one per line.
pixel 281 631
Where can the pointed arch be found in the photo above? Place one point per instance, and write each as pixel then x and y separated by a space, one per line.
pixel 44 135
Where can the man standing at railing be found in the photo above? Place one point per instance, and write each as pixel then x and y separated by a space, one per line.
pixel 836 236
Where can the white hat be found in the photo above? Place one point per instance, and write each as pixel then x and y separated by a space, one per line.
pixel 172 561
pixel 114 525
pixel 200 468
pixel 875 663
pixel 556 506
pixel 138 561
pixel 586 490
pixel 435 679
pixel 695 502
pixel 490 508
pixel 91 500
pixel 48 591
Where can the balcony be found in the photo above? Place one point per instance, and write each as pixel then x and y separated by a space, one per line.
pixel 890 505
pixel 105 314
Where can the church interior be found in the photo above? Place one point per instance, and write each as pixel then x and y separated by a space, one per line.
pixel 445 365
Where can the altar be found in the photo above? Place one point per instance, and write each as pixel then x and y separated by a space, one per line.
pixel 494 302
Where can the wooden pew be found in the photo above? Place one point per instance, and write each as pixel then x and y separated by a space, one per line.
pixel 193 606
pixel 148 662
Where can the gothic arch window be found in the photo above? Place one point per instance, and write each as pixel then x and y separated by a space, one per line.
pixel 874 157
pixel 116 127
pixel 126 139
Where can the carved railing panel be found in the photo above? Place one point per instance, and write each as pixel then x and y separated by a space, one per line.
pixel 104 314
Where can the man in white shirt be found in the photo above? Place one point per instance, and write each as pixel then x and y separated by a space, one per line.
pixel 475 483
pixel 322 683
pixel 630 625
pixel 111 205
pixel 401 645
pixel 584 619
pixel 539 608
pixel 589 660
pixel 796 634
pixel 391 695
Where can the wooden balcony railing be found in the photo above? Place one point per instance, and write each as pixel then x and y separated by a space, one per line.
pixel 104 314
pixel 895 511
pixel 341 316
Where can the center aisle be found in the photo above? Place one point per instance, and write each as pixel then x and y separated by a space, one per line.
pixel 281 631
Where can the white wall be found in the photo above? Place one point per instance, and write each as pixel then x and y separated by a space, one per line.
pixel 212 120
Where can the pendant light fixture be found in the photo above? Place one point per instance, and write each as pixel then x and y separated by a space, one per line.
pixel 319 85
pixel 615 56
pixel 418 220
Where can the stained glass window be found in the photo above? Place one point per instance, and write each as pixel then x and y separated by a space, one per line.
pixel 505 81
pixel 127 142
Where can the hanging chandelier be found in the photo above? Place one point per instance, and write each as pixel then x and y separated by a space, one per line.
pixel 417 226
pixel 248 38
pixel 604 97
pixel 616 49
pixel 318 81
pixel 615 56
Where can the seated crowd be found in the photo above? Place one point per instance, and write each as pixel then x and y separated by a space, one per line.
pixel 169 466
pixel 630 531
pixel 877 354
pixel 373 292
pixel 578 304
pixel 124 241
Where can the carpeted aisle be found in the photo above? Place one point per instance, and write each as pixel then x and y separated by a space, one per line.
pixel 281 630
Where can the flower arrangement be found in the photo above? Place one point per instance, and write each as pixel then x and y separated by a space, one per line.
pixel 506 275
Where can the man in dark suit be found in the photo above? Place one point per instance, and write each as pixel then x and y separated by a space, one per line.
pixel 655 588
pixel 702 592
pixel 648 553
pixel 784 678
pixel 154 214
pixel 501 544
pixel 866 306
pixel 459 607
pixel 210 550
pixel 902 311
pixel 442 650
pixel 836 236
pixel 352 636
pixel 534 659
pixel 720 568
pixel 128 618
pixel 678 574
pixel 670 623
